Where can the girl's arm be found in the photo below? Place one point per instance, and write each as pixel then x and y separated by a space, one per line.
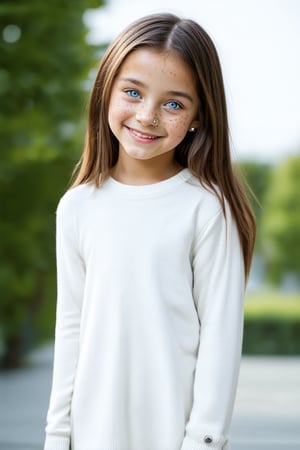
pixel 219 284
pixel 70 285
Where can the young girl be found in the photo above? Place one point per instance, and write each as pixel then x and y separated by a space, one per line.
pixel 154 243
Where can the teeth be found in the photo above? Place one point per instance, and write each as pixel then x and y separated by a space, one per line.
pixel 143 136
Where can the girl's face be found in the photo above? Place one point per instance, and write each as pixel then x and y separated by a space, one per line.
pixel 152 84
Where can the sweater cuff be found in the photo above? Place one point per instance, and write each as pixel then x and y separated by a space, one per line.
pixel 190 444
pixel 57 443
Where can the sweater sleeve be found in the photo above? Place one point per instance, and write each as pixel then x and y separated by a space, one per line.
pixel 218 289
pixel 70 285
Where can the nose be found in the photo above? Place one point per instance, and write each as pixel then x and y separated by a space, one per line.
pixel 145 114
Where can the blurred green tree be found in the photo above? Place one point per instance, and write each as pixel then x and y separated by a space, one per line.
pixel 44 66
pixel 281 221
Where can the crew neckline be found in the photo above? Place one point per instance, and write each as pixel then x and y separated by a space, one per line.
pixel 148 189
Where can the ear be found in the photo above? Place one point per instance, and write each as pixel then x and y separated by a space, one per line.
pixel 195 124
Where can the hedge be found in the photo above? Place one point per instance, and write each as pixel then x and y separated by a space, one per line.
pixel 272 324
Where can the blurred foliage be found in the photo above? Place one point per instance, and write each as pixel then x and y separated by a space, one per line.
pixel 277 210
pixel 280 227
pixel 272 324
pixel 271 336
pixel 44 67
pixel 272 304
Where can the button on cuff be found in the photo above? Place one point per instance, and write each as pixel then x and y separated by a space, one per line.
pixel 216 443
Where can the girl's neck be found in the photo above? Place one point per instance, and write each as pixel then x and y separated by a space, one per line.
pixel 140 172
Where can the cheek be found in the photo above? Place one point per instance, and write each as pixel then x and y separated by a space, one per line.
pixel 179 127
pixel 119 110
pixel 124 111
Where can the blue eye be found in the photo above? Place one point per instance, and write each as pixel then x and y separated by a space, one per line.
pixel 173 105
pixel 132 93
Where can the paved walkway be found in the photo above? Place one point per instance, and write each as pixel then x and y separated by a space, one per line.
pixel 267 412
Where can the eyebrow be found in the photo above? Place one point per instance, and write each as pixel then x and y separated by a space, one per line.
pixel 175 93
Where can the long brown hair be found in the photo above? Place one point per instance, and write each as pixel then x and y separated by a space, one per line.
pixel 207 152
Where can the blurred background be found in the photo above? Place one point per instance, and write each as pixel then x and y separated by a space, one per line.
pixel 49 54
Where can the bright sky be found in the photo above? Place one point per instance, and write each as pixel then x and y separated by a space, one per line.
pixel 259 46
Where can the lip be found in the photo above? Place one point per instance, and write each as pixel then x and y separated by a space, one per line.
pixel 141 136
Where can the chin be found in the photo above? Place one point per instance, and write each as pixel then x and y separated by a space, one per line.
pixel 139 156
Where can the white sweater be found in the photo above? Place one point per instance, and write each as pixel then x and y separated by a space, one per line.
pixel 149 318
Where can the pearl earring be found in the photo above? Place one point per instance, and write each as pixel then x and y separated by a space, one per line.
pixel 192 130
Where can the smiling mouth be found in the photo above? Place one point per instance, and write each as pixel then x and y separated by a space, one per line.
pixel 142 136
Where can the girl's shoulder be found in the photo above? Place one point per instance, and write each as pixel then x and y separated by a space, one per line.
pixel 207 198
pixel 74 198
